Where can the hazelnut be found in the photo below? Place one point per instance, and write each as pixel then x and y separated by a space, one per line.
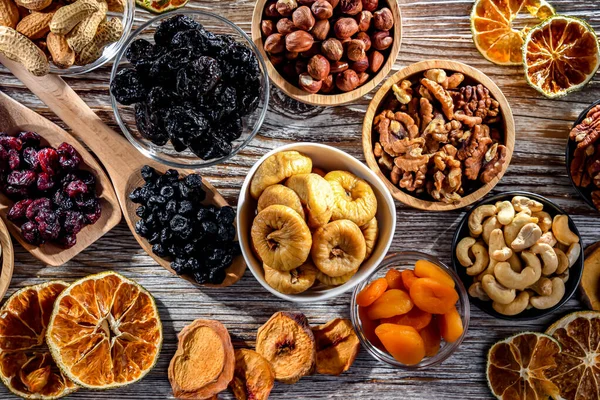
pixel 321 29
pixel 383 19
pixel 299 41
pixel 275 43
pixel 334 3
pixel 356 50
pixel 291 55
pixel 300 66
pixel 370 5
pixel 332 49
pixel 307 83
pixel 327 85
pixel 313 51
pixel 351 7
pixel 347 80
pixel 303 18
pixel 322 9
pixel 381 40
pixel 267 27
pixel 338 66
pixel 318 67
pixel 285 26
pixel 289 71
pixel 364 20
pixel 276 59
pixel 271 10
pixel 345 28
pixel 365 38
pixel 363 77
pixel 375 61
pixel 360 65
pixel 286 7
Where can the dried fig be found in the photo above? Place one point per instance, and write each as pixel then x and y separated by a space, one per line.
pixel 281 238
pixel 291 282
pixel 316 196
pixel 337 346
pixel 353 197
pixel 279 194
pixel 253 377
pixel 331 281
pixel 338 248
pixel 287 342
pixel 277 168
pixel 370 231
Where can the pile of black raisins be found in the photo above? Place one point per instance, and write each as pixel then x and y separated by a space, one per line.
pixel 198 238
pixel 54 198
pixel 191 87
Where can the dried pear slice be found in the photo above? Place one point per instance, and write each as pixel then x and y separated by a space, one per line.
pixel 281 238
pixel 253 377
pixel 338 248
pixel 331 281
pixel 316 196
pixel 370 231
pixel 277 168
pixel 287 342
pixel 353 197
pixel 279 194
pixel 291 282
pixel 337 346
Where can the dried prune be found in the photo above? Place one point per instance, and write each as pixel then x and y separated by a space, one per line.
pixel 68 157
pixel 193 39
pixel 169 28
pixel 198 77
pixel 185 126
pixel 21 178
pixel 165 68
pixel 48 159
pixel 159 98
pixel 231 130
pixel 127 87
pixel 30 233
pixel 18 210
pixel 140 54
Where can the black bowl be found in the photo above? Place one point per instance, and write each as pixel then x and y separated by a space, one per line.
pixel 585 193
pixel 574 272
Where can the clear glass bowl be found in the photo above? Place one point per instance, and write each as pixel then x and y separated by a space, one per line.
pixel 166 154
pixel 110 51
pixel 401 261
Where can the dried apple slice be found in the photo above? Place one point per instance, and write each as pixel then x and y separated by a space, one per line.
pixel 337 346
pixel 253 377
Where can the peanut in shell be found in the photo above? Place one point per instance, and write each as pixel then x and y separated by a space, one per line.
pixel 108 33
pixel 35 25
pixel 86 30
pixel 67 17
pixel 34 5
pixel 19 48
pixel 62 55
pixel 9 13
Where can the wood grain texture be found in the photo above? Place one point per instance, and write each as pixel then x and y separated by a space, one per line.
pixel 432 29
pixel 8 258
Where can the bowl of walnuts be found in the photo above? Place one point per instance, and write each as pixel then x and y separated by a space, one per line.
pixel 440 134
pixel 327 52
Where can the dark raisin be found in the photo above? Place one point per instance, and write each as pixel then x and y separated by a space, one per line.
pixel 63 201
pixel 73 222
pixel 160 250
pixel 68 241
pixel 36 206
pixel 186 208
pixel 92 216
pixel 21 178
pixel 68 157
pixel 30 233
pixel 149 174
pixel 48 224
pixel 127 87
pixel 48 159
pixel 226 215
pixel 18 210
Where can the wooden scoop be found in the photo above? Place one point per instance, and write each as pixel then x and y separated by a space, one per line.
pixel 121 160
pixel 15 118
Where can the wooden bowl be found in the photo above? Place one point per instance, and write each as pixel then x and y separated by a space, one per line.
pixel 8 259
pixel 327 99
pixel 407 73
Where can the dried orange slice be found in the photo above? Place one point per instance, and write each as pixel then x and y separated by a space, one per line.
pixel 493 32
pixel 105 331
pixel 578 364
pixel 516 365
pixel 560 55
pixel 26 366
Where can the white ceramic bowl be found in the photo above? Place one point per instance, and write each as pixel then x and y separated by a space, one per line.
pixel 328 159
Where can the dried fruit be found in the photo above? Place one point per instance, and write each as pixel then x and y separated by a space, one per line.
pixel 159 7
pixel 590 280
pixel 431 296
pixel 279 194
pixel 371 233
pixel 253 377
pixel 391 303
pixel 295 281
pixel 277 168
pixel 337 346
pixel 403 342
pixel 372 292
pixel 451 326
pixel 427 269
pixel 354 198
pixel 416 318
pixel 315 195
pixel 394 279
pixel 338 248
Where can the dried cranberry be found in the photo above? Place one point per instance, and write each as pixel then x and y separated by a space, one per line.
pixel 63 201
pixel 92 217
pixel 76 188
pixel 48 158
pixel 31 233
pixel 3 158
pixel 18 210
pixel 68 157
pixel 48 225
pixel 21 178
pixel 14 161
pixel 31 158
pixel 87 177
pixel 16 191
pixel 44 182
pixel 86 202
pixel 30 139
pixel 68 241
pixel 38 205
pixel 11 142
pixel 74 222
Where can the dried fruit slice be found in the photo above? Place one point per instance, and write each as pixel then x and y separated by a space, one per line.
pixel 590 278
pixel 560 56
pixel 287 342
pixel 516 365
pixel 337 346
pixel 353 197
pixel 26 367
pixel 105 331
pixel 316 197
pixel 161 6
pixel 253 377
pixel 577 367
pixel 338 248
pixel 492 27
pixel 277 168
pixel 204 362
pixel 291 282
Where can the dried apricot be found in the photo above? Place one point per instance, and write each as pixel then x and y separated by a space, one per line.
pixel 431 337
pixel 451 325
pixel 368 327
pixel 416 318
pixel 393 302
pixel 426 269
pixel 408 277
pixel 403 342
pixel 431 296
pixel 371 292
pixel 394 279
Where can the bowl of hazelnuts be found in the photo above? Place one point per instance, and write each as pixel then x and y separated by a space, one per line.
pixel 327 52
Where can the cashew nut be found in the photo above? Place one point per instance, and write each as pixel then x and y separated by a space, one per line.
pixel 496 291
pixel 545 302
pixel 488 226
pixel 562 232
pixel 462 251
pixel 527 237
pixel 482 259
pixel 477 216
pixel 531 260
pixel 548 255
pixel 476 290
pixel 564 276
pixel 515 307
pixel 511 231
pixel 548 238
pixel 488 271
pixel 506 212
pixel 573 253
pixel 513 280
pixel 498 249
pixel 543 287
pixel 545 220
pixel 521 203
pixel 563 261
pixel 515 263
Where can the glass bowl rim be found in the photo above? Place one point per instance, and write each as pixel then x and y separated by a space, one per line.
pixel 465 312
pixel 156 155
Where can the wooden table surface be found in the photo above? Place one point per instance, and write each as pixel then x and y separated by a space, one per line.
pixel 432 29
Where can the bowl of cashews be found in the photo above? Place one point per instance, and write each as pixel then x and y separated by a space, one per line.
pixel 519 255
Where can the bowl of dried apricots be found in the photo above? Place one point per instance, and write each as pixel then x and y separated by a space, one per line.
pixel 412 312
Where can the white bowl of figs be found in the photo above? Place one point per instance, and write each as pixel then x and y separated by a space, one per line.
pixel 313 221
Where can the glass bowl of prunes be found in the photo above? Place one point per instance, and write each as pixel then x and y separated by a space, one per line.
pixel 189 89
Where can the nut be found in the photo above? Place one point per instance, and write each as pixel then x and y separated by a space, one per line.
pixel 299 41
pixel 345 28
pixel 300 66
pixel 370 5
pixel 375 61
pixel 306 2
pixel 271 10
pixel 309 84
pixel 9 14
pixel 276 60
pixel 108 32
pixel 303 18
pixel 275 43
pixel 322 9
pixel 34 5
pixel 286 7
pixel 338 66
pixel 381 40
pixel 84 32
pixel 290 55
pixel 360 65
pixel 347 80
pixel 313 51
pixel 285 26
pixel 356 50
pixel 332 49
pixel 19 48
pixel 364 20
pixel 35 25
pixel 327 86
pixel 321 29
pixel 289 71
pixel 318 67
pixel 334 3
pixel 365 38
pixel 351 7
pixel 267 27
pixel 62 55
pixel 67 17
pixel 363 77
pixel 383 19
